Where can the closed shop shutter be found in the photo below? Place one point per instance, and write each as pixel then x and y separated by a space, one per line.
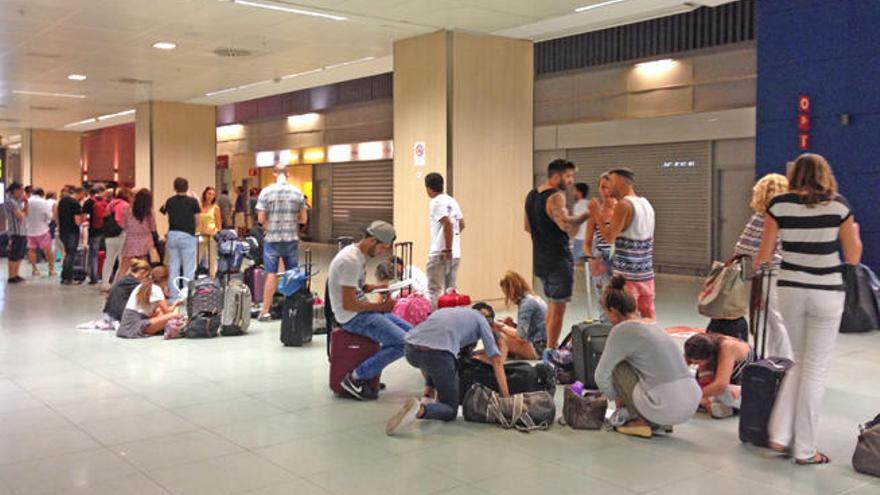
pixel 680 192
pixel 361 192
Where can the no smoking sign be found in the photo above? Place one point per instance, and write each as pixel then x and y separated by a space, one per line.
pixel 419 153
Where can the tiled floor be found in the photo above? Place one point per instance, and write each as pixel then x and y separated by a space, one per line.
pixel 85 412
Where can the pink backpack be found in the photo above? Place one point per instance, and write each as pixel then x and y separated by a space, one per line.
pixel 412 309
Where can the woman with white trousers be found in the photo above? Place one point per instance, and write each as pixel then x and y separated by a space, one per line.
pixel 810 218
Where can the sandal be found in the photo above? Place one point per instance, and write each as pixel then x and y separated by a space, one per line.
pixel 819 458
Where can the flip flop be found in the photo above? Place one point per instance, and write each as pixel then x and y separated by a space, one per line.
pixel 819 458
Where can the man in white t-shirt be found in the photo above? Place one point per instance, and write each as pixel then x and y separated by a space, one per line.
pixel 346 286
pixel 581 191
pixel 447 222
pixel 39 215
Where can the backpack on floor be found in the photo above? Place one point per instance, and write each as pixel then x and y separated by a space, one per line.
pixel 202 326
pixel 866 458
pixel 204 295
pixel 236 316
pixel 583 412
pixel 525 412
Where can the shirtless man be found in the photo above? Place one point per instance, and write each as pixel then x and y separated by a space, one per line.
pixel 551 226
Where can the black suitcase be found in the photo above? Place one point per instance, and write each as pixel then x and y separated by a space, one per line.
pixel 297 314
pixel 587 343
pixel 760 380
pixel 521 376
pixel 81 263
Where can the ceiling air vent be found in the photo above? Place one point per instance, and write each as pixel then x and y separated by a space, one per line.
pixel 43 108
pixel 9 120
pixel 231 52
pixel 50 56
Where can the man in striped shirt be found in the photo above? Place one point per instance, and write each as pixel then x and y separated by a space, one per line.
pixel 631 231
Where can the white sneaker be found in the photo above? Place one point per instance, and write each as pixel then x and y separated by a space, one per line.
pixel 403 417
pixel 719 411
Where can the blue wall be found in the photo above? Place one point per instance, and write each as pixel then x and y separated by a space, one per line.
pixel 829 50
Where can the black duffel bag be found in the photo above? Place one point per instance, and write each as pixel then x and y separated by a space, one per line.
pixel 202 326
pixel 521 376
pixel 860 309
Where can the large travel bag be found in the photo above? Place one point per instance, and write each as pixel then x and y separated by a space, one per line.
pixel 521 376
pixel 587 343
pixel 525 412
pixel 202 326
pixel 347 351
pixel 860 313
pixel 236 316
pixel 866 458
pixel 297 313
pixel 254 278
pixel 760 380
pixel 81 263
pixel 583 412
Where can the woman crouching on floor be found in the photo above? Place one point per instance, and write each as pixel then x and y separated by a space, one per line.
pixel 643 370
pixel 147 312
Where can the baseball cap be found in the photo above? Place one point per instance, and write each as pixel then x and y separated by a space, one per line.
pixel 382 230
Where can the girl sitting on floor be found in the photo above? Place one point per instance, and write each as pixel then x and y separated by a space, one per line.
pixel 724 358
pixel 147 312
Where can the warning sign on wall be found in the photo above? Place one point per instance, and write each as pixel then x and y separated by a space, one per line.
pixel 419 152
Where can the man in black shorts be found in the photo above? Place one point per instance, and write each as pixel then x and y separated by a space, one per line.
pixel 550 225
pixel 15 209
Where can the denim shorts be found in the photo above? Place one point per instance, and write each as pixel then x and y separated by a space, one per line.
pixel 559 284
pixel 273 251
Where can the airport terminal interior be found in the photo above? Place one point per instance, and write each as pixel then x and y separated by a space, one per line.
pixel 607 157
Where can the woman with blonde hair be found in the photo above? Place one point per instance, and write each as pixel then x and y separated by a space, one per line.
pixel 767 188
pixel 209 224
pixel 530 314
pixel 814 222
pixel 147 311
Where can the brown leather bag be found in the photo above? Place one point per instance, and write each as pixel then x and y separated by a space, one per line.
pixel 583 413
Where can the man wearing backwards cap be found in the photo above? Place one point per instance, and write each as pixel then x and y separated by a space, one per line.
pixel 346 286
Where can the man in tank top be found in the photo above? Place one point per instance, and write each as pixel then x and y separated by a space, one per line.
pixel 631 232
pixel 550 225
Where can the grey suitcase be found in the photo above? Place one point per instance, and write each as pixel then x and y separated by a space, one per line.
pixel 587 343
pixel 236 316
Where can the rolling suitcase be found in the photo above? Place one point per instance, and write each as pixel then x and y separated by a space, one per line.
pixel 587 343
pixel 254 278
pixel 760 380
pixel 236 316
pixel 347 351
pixel 81 257
pixel 297 313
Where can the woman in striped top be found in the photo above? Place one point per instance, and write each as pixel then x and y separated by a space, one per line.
pixel 811 218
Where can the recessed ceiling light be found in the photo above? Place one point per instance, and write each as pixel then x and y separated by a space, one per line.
pixel 117 114
pixel 77 77
pixel 165 45
pixel 350 62
pixel 290 10
pixel 300 74
pixel 656 67
pixel 81 122
pixel 45 93
pixel 597 5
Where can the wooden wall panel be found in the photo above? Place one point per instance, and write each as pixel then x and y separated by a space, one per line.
pixel 492 134
pixel 420 96
pixel 55 159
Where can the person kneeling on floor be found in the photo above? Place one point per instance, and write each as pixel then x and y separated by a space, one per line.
pixel 432 347
pixel 643 370
pixel 147 312
pixel 724 358
pixel 346 287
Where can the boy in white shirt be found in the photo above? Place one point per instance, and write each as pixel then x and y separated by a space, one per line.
pixel 447 222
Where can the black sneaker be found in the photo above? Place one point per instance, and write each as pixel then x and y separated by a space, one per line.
pixel 359 389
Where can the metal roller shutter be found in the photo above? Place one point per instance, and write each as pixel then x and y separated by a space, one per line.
pixel 361 192
pixel 681 194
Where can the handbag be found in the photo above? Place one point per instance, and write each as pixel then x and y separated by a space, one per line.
pixel 725 293
pixel 524 412
pixel 583 413
pixel 860 307
pixel 866 458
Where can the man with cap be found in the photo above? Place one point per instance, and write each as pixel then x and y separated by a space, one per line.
pixel 346 286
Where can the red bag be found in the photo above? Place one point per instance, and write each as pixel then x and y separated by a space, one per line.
pixel 453 299
pixel 347 351
pixel 99 211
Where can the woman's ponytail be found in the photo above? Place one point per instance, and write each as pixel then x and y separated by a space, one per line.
pixel 617 298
